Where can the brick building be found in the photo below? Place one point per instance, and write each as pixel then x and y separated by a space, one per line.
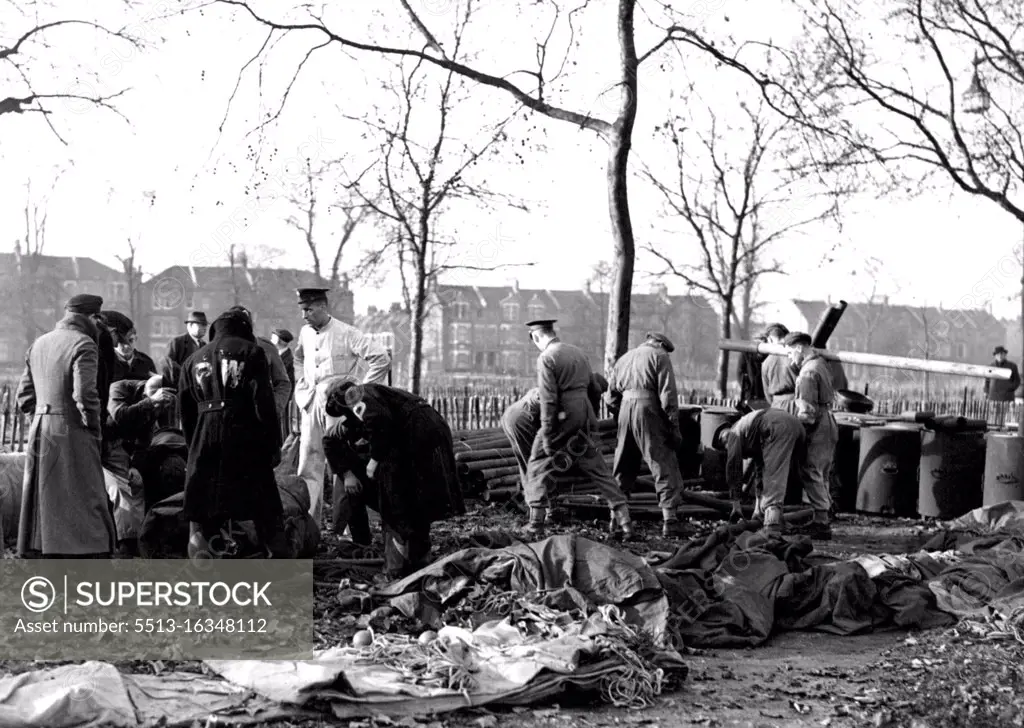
pixel 33 291
pixel 474 331
pixel 168 297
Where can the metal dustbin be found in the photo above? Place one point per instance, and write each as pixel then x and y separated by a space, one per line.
pixel 1004 468
pixel 952 473
pixel 887 470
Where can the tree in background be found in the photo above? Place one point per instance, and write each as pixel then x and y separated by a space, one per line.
pixel 550 49
pixel 423 169
pixel 736 195
pixel 327 213
pixel 31 62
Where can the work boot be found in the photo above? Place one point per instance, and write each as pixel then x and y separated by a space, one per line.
pixel 671 526
pixel 772 522
pixel 535 528
pixel 623 524
pixel 819 529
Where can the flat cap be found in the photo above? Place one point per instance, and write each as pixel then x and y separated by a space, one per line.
pixel 84 303
pixel 661 340
pixel 999 350
pixel 284 335
pixel 541 324
pixel 797 338
pixel 312 295
pixel 118 322
pixel 197 317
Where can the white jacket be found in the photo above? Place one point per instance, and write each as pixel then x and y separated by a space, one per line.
pixel 336 350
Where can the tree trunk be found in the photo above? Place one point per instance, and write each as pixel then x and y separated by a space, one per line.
pixel 723 355
pixel 620 143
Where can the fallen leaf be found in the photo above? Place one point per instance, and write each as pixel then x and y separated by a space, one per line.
pixel 486 721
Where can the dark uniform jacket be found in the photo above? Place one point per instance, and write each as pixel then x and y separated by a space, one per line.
pixel 181 348
pixel 564 379
pixel 412 444
pixel 751 384
pixel 132 419
pixel 814 390
pixel 227 411
pixel 1002 390
pixel 141 367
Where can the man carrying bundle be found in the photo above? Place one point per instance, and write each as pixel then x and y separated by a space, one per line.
pixel 566 436
pixel 642 393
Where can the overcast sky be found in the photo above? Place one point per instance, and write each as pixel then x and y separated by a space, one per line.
pixel 934 250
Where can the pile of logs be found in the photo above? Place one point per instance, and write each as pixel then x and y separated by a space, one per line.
pixel 487 468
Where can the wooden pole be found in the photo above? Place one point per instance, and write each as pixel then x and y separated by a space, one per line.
pixel 877 360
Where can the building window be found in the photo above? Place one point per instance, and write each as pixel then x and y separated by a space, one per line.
pixel 461 333
pixel 166 297
pixel 117 291
pixel 510 311
pixel 961 350
pixel 190 300
pixel 461 310
pixel 492 359
pixel 536 310
pixel 512 361
pixel 71 287
pixel 510 335
pixel 164 327
pixel 460 359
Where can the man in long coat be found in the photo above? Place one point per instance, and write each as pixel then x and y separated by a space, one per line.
pixel 566 437
pixel 410 478
pixel 227 412
pixel 642 393
pixel 279 378
pixel 184 346
pixel 327 349
pixel 64 507
pixel 751 382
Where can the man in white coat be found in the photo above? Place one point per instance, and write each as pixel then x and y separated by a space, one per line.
pixel 327 349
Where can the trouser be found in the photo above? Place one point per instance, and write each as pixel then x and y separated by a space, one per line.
pixel 126 495
pixel 520 433
pixel 312 461
pixel 349 511
pixel 543 470
pixel 644 435
pixel 779 441
pixel 822 438
pixel 404 555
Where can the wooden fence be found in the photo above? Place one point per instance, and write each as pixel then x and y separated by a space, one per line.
pixel 470 410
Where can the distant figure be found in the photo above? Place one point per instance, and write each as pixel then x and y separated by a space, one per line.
pixel 282 339
pixel 1002 390
pixel 184 346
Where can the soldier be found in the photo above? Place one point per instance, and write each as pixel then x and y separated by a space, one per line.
pixel 777 373
pixel 184 346
pixel 814 397
pixel 64 507
pixel 772 437
pixel 642 394
pixel 567 423
pixel 327 348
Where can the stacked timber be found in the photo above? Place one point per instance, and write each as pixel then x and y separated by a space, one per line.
pixel 487 468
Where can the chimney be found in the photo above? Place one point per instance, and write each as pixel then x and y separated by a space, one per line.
pixel 371 310
pixel 587 287
pixel 885 300
pixel 396 307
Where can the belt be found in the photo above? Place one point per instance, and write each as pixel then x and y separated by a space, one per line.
pixel 639 394
pixel 48 409
pixel 211 406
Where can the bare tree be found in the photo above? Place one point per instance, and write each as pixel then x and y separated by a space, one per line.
pixel 541 93
pixel 423 169
pixel 931 123
pixel 132 278
pixel 732 191
pixel 31 60
pixel 601 281
pixel 316 199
